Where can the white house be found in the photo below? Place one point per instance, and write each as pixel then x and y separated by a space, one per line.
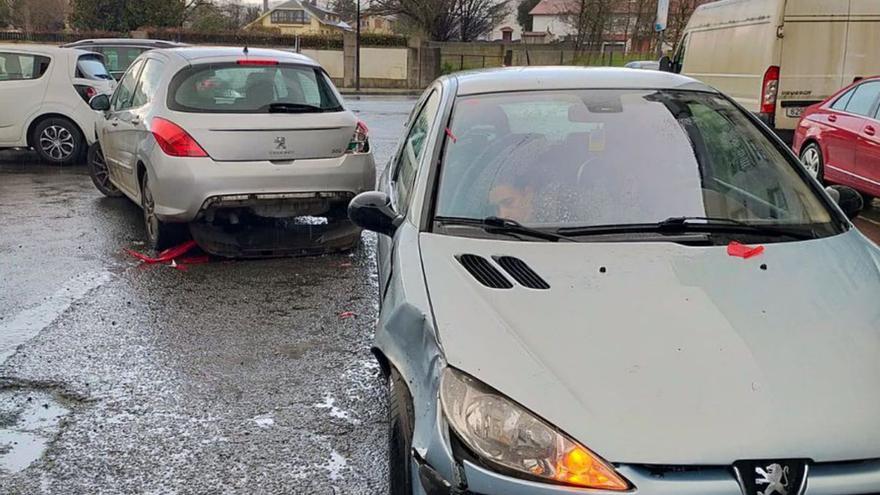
pixel 508 30
pixel 553 16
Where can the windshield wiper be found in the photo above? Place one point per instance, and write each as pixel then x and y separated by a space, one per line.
pixel 679 225
pixel 503 226
pixel 293 108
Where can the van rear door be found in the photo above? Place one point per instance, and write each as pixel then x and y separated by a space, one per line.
pixel 813 52
pixel 863 40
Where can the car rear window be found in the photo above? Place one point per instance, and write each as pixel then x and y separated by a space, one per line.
pixel 92 67
pixel 21 66
pixel 239 88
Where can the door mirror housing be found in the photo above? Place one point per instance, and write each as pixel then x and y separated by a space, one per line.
pixel 850 201
pixel 100 103
pixel 372 211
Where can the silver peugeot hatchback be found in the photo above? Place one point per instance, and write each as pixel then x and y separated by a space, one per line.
pixel 597 281
pixel 221 138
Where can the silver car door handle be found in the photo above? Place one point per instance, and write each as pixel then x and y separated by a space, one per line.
pixel 135 121
pixel 114 122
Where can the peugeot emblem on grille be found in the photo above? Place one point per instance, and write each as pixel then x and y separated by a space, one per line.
pixel 280 143
pixel 780 477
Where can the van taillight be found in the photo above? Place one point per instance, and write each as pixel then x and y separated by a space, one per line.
pixel 770 89
pixel 173 140
pixel 85 92
pixel 360 141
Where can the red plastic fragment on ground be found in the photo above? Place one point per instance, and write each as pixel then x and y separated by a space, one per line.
pixel 451 135
pixel 174 255
pixel 742 251
pixel 347 314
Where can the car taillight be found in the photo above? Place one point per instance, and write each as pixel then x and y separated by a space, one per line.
pixel 85 92
pixel 360 142
pixel 173 140
pixel 256 61
pixel 770 89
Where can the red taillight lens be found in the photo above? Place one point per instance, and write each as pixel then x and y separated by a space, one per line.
pixel 360 142
pixel 85 92
pixel 770 90
pixel 256 61
pixel 173 140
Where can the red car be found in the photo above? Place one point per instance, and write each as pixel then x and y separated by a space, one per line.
pixel 838 140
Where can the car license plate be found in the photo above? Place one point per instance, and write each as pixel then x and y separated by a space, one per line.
pixel 794 112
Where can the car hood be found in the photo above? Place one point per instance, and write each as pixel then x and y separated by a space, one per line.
pixel 660 353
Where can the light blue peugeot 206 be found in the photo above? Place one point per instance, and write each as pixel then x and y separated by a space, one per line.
pixel 603 280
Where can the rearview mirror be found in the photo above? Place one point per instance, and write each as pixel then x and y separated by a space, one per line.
pixel 372 211
pixel 850 201
pixel 100 103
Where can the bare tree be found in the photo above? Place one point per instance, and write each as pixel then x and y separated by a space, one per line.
pixel 446 20
pixel 589 21
pixel 39 15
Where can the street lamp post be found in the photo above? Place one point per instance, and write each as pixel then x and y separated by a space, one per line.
pixel 357 50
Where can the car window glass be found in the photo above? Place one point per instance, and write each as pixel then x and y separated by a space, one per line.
pixel 567 158
pixel 119 58
pixel 678 60
pixel 841 102
pixel 21 67
pixel 125 90
pixel 92 67
pixel 148 84
pixel 242 88
pixel 862 101
pixel 412 151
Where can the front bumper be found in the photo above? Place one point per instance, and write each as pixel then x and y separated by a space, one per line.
pixel 184 187
pixel 844 478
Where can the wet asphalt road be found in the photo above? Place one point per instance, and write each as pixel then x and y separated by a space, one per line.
pixel 230 377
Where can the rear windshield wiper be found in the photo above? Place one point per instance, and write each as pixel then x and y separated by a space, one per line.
pixel 678 225
pixel 503 226
pixel 293 108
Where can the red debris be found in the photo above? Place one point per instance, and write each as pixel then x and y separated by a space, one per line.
pixel 451 135
pixel 347 314
pixel 345 265
pixel 174 255
pixel 742 251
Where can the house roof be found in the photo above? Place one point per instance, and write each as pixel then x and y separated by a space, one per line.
pixel 320 13
pixel 554 7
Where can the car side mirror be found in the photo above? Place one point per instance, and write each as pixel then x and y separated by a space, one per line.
pixel 666 64
pixel 372 211
pixel 100 103
pixel 850 201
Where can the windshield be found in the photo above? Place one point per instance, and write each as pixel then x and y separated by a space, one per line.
pixel 234 88
pixel 92 67
pixel 618 157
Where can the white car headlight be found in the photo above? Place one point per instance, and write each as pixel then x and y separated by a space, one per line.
pixel 504 433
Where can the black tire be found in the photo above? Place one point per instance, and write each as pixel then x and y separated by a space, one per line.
pixel 813 162
pixel 400 433
pixel 98 172
pixel 58 141
pixel 160 235
pixel 869 200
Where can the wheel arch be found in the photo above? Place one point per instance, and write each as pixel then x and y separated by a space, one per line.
pixel 51 115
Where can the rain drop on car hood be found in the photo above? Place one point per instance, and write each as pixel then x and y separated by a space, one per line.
pixel 660 353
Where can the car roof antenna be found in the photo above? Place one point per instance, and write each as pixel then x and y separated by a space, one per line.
pixel 245 49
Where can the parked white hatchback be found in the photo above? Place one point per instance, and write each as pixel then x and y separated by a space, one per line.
pixel 224 138
pixel 44 95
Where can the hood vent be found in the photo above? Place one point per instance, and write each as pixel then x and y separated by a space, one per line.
pixel 484 272
pixel 521 272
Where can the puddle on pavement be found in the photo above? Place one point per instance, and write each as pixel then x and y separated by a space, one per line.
pixel 29 420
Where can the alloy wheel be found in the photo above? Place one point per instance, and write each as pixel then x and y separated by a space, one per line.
pixel 812 161
pixel 150 220
pixel 100 170
pixel 57 142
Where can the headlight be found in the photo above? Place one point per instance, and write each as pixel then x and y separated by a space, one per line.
pixel 503 432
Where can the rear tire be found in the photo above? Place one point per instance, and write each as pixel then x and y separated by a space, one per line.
pixel 99 173
pixel 811 158
pixel 160 235
pixel 57 140
pixel 869 200
pixel 400 433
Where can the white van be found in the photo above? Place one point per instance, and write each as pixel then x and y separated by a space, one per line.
pixel 777 57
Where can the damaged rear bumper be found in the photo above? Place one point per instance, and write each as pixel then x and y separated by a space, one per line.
pixel 187 188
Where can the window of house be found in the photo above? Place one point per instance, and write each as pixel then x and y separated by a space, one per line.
pixel 288 16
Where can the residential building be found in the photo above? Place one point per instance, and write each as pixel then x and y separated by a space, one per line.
pixel 508 30
pixel 373 23
pixel 300 17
